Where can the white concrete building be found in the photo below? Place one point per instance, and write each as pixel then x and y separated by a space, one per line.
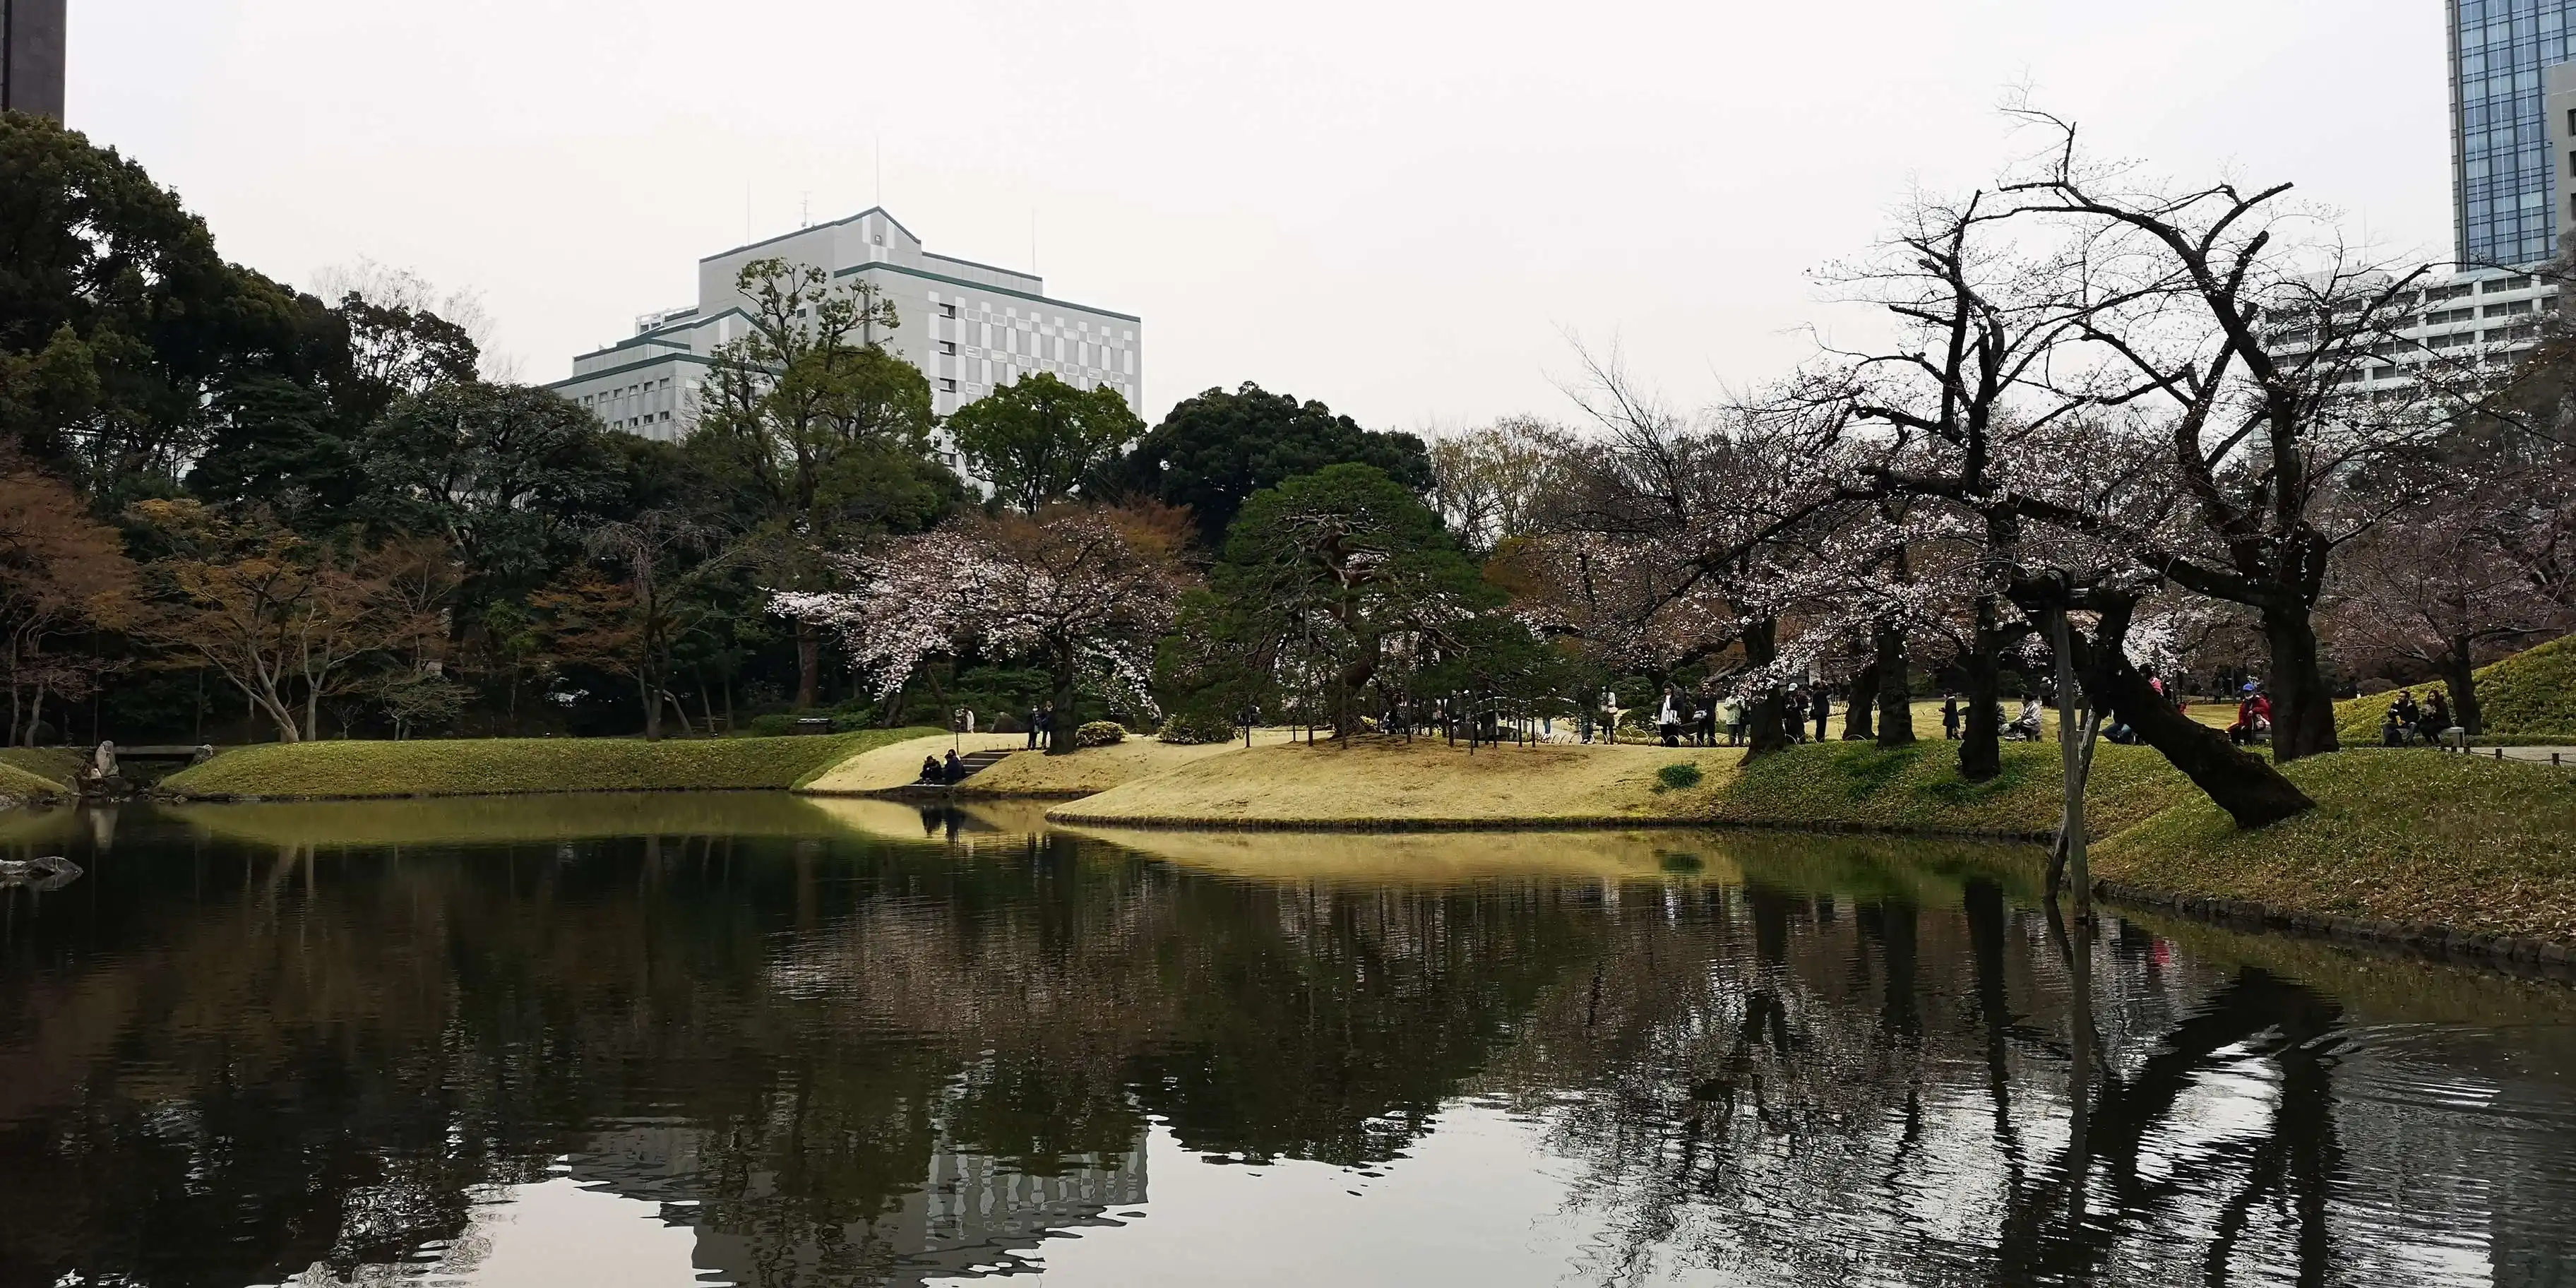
pixel 970 327
pixel 2488 317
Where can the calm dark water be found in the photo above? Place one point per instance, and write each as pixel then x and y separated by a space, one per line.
pixel 752 1040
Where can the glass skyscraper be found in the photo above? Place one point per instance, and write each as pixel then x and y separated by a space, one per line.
pixel 2504 179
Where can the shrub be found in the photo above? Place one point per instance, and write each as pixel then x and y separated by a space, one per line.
pixel 1190 729
pixel 1100 733
pixel 774 725
pixel 1679 777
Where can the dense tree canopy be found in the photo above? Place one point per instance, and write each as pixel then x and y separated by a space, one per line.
pixel 1037 438
pixel 1215 450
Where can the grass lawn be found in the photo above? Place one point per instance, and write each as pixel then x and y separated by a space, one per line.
pixel 52 763
pixel 492 766
pixel 2413 836
pixel 1918 788
pixel 18 784
pixel 1092 770
pixel 1387 782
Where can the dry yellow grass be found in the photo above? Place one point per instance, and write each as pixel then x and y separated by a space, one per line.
pixel 1385 782
pixel 1087 771
pixel 899 764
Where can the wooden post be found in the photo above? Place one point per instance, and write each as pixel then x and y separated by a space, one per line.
pixel 2069 735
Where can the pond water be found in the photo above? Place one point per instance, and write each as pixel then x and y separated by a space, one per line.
pixel 761 1040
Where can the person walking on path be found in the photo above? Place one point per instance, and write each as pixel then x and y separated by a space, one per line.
pixel 1950 718
pixel 1669 722
pixel 1036 723
pixel 1732 711
pixel 1823 698
pixel 1708 720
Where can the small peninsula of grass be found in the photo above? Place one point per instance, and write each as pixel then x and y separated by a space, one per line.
pixel 501 766
pixel 1389 783
pixel 2408 836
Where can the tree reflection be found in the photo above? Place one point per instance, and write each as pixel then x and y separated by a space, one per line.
pixel 226 1063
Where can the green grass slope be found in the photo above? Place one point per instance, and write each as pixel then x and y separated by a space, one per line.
pixel 53 763
pixel 2530 695
pixel 1918 788
pixel 17 785
pixel 2414 836
pixel 498 766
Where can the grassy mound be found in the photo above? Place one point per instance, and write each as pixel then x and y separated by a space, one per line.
pixel 896 762
pixel 2411 836
pixel 499 766
pixel 18 784
pixel 1918 788
pixel 1088 771
pixel 1389 783
pixel 2528 696
pixel 54 764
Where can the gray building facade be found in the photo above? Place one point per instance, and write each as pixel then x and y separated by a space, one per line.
pixel 971 328
pixel 31 56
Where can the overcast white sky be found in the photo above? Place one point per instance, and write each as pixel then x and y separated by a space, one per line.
pixel 1402 209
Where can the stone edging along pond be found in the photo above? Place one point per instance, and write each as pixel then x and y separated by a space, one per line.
pixel 2423 937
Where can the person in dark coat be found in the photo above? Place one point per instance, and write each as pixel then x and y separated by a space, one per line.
pixel 2437 716
pixel 1037 726
pixel 2409 716
pixel 1950 718
pixel 954 770
pixel 930 769
pixel 1823 709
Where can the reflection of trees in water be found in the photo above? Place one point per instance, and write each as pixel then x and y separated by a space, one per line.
pixel 1800 1089
pixel 224 1065
pixel 237 1064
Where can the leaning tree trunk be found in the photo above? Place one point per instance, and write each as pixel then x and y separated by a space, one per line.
pixel 2302 706
pixel 2459 673
pixel 2245 785
pixel 1895 687
pixel 1766 728
pixel 1864 692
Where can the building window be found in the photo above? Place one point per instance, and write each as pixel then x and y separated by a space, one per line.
pixel 948 348
pixel 948 310
pixel 947 386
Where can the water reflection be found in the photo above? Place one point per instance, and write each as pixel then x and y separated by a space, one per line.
pixel 851 1042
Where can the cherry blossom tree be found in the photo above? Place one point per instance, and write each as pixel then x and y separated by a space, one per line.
pixel 1703 530
pixel 1085 593
pixel 2233 337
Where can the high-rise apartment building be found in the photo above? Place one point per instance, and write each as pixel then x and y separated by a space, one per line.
pixel 969 327
pixel 31 56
